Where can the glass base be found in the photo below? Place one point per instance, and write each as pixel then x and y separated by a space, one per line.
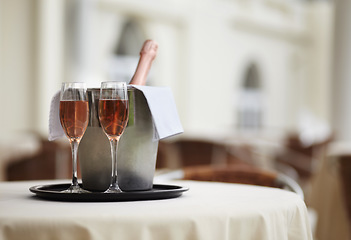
pixel 113 190
pixel 75 189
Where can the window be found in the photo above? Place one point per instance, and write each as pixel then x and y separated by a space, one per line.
pixel 250 100
pixel 126 52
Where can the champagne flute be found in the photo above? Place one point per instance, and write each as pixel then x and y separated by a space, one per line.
pixel 113 115
pixel 74 118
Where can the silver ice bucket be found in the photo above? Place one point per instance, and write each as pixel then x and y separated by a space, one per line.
pixel 137 148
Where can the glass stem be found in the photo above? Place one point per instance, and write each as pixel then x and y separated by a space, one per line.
pixel 74 147
pixel 114 147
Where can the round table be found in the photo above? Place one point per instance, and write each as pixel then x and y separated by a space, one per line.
pixel 207 211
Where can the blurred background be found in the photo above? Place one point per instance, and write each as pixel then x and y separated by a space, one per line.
pixel 265 82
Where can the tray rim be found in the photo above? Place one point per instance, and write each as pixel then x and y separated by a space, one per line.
pixel 158 192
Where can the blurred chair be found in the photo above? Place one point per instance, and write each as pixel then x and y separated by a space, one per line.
pixel 167 156
pixel 304 159
pixel 52 161
pixel 345 175
pixel 193 152
pixel 240 154
pixel 243 174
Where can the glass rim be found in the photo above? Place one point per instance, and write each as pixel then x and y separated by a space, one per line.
pixel 74 83
pixel 113 83
pixel 110 85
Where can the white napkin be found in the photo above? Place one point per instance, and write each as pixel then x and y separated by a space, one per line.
pixel 163 110
pixel 55 128
pixel 161 103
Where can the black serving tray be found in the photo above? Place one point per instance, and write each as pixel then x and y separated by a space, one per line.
pixel 54 192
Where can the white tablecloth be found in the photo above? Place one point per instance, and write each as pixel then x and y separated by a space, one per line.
pixel 207 211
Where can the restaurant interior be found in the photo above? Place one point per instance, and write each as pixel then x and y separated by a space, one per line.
pixel 261 89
